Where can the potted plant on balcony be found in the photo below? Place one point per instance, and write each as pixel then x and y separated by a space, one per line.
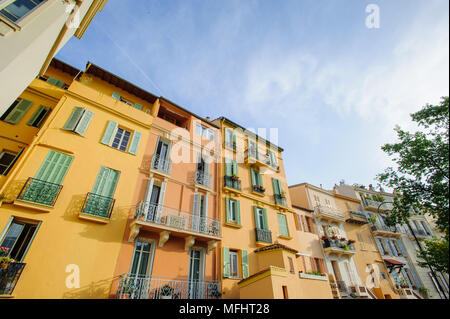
pixel 166 292
pixel 372 219
pixel 234 177
pixel 4 259
pixel 424 292
pixel 214 292
pixel 283 194
pixel 334 237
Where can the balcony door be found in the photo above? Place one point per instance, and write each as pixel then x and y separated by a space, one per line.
pixel 196 273
pixel 103 192
pixel 162 155
pixel 200 213
pixel 139 279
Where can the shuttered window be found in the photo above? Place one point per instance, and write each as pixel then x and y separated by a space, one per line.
pixel 233 211
pixel 276 186
pixel 119 138
pixel 245 267
pixel 16 111
pixel 39 116
pixel 56 82
pixel 261 218
pixel 78 122
pixel 283 226
pixel 54 167
pixel 106 182
pixel 226 262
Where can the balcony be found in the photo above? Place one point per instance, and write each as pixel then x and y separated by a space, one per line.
pixel 259 190
pixel 373 205
pixel 98 206
pixel 384 230
pixel 203 179
pixel 149 287
pixel 9 277
pixel 161 164
pixel 252 157
pixel 263 235
pixel 329 214
pixel 356 218
pixel 232 182
pixel 168 221
pixel 280 200
pixel 338 247
pixel 231 145
pixel 39 192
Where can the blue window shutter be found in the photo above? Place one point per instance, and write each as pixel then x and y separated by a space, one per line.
pixel 134 145
pixel 109 132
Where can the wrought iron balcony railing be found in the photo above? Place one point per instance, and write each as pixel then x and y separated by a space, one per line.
pixel 260 157
pixel 336 243
pixel 150 287
pixel 342 287
pixel 161 164
pixel 329 213
pixel 356 217
pixel 202 178
pixel 379 227
pixel 98 205
pixel 232 183
pixel 263 235
pixel 39 192
pixel 376 204
pixel 9 277
pixel 280 200
pixel 159 214
pixel 258 189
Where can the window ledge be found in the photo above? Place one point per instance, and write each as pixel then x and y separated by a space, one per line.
pixel 258 194
pixel 93 218
pixel 262 244
pixel 284 237
pixel 34 206
pixel 231 224
pixel 6 296
pixel 315 277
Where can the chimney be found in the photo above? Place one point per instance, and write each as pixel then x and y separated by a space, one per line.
pixel 207 118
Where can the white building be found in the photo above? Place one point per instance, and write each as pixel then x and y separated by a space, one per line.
pixel 31 33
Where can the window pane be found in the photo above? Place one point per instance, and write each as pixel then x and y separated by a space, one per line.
pixel 19 8
pixel 12 235
pixel 5 160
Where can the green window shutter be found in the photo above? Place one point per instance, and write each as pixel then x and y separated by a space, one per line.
pixel 54 167
pixel 227 209
pixel 276 188
pixel 106 182
pixel 245 268
pixel 238 212
pixel 55 82
pixel 252 173
pixel 227 136
pixel 235 167
pixel 138 106
pixel 19 111
pixel 226 262
pixel 162 193
pixel 134 145
pixel 234 139
pixel 279 186
pixel 84 122
pixel 255 210
pixel 228 167
pixel 260 179
pixel 72 122
pixel 35 115
pixel 266 223
pixel 116 96
pixel 109 132
pixel 282 223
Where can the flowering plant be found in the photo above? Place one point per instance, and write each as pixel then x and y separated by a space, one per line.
pixel 4 251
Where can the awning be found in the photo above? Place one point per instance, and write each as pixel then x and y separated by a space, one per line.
pixel 394 262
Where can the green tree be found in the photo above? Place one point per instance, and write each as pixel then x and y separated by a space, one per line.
pixel 421 178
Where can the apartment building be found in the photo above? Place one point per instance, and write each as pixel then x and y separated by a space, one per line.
pixel 169 247
pixel 337 247
pixel 72 155
pixel 31 34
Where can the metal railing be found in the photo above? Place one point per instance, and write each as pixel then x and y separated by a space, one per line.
pixel 336 243
pixel 149 287
pixel 329 212
pixel 161 164
pixel 376 204
pixel 98 205
pixel 261 157
pixel 9 277
pixel 280 200
pixel 263 235
pixel 232 183
pixel 258 189
pixel 40 192
pixel 379 227
pixel 356 217
pixel 159 214
pixel 342 287
pixel 202 178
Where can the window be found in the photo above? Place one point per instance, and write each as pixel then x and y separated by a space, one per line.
pixel 230 138
pixel 308 224
pixel 39 116
pixel 79 120
pixel 291 265
pixel 285 293
pixel 234 264
pixel 16 111
pixel 204 132
pixel 260 218
pixel 19 8
pixel 283 226
pixel 233 211
pixel 257 181
pixel 119 138
pixel 18 238
pixel 56 82
pixel 6 158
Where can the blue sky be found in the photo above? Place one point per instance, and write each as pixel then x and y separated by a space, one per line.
pixel 332 87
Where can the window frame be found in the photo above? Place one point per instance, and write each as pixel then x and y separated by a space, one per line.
pixel 1 156
pixel 234 255
pixel 26 241
pixel 17 21
pixel 121 139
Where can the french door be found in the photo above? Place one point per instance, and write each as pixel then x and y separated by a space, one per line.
pixel 196 273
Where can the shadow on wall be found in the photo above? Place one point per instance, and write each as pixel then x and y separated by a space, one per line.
pixel 95 290
pixel 96 230
pixel 13 190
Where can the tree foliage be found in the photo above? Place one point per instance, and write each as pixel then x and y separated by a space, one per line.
pixel 421 176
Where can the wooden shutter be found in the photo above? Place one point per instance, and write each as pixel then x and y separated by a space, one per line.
pixel 228 167
pixel 323 265
pixel 245 268
pixel 266 222
pixel 205 206
pixel 134 145
pixel 84 122
pixel 226 262
pixel 276 186
pixel 238 212
pixel 109 132
pixel 138 106
pixel 313 225
pixel 303 219
pixel 296 221
pixel 227 136
pixel 260 179
pixel 116 96
pixel 54 167
pixel 388 247
pixel 235 167
pixel 35 115
pixel 18 112
pixel 55 82
pixel 252 172
pixel 282 222
pixel 227 209
pixel 148 192
pixel 361 241
pixel 380 246
pixel 196 207
pixel 106 182
pixel 313 264
pixel 402 248
pixel 72 122
pixel 255 210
